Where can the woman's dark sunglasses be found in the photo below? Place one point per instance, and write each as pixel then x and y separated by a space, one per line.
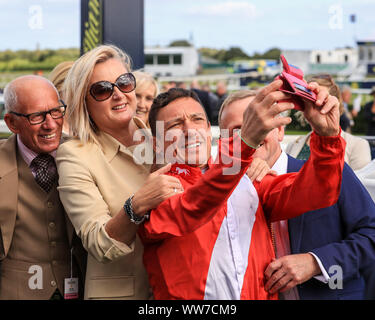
pixel 103 90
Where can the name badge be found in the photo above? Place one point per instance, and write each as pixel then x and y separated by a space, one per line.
pixel 71 288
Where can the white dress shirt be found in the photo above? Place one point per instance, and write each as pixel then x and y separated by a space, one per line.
pixel 29 155
pixel 230 254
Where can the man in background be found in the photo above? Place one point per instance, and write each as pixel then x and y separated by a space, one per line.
pixel 341 238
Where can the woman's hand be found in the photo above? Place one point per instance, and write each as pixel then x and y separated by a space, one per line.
pixel 157 188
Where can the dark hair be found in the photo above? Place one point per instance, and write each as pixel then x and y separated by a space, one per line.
pixel 166 98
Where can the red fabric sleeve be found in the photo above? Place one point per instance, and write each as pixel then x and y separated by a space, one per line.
pixel 315 186
pixel 186 212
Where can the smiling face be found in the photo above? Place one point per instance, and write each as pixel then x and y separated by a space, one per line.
pixel 35 94
pixel 113 114
pixel 187 133
pixel 145 97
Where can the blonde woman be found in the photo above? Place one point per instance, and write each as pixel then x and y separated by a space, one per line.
pixel 104 191
pixel 147 89
pixel 57 77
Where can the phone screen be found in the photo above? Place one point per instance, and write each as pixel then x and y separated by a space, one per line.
pixel 302 88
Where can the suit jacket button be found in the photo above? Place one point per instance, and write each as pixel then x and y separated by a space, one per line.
pixel 53 283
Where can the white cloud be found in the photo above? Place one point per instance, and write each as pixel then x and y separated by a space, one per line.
pixel 226 9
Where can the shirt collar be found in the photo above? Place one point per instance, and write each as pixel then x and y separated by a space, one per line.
pixel 111 146
pixel 27 154
pixel 281 164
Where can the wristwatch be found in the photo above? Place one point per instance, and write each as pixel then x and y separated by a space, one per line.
pixel 135 218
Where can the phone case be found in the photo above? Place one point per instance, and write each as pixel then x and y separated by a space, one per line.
pixel 294 84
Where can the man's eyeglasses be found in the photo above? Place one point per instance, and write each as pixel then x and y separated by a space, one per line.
pixel 40 117
pixel 102 90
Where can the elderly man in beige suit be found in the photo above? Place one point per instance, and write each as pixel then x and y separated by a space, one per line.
pixel 35 253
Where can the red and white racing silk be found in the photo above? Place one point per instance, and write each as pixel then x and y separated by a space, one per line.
pixel 213 241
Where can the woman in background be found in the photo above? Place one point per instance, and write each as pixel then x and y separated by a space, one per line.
pixel 146 90
pixel 57 77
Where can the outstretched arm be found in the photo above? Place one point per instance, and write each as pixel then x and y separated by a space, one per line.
pixel 318 183
pixel 186 212
pixel 315 186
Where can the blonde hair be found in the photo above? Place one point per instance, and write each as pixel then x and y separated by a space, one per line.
pixel 325 80
pixel 144 80
pixel 58 75
pixel 76 86
pixel 238 95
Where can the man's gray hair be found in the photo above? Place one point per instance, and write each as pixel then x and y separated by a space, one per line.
pixel 10 97
pixel 10 94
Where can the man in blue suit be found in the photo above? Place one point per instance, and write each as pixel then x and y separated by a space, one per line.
pixel 320 254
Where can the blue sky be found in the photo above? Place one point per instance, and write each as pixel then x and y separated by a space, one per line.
pixel 254 25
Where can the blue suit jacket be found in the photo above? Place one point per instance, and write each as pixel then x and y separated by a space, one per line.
pixel 343 234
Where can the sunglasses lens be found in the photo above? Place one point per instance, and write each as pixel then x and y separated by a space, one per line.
pixel 126 82
pixel 101 90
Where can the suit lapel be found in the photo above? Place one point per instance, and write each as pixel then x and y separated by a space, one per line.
pixel 295 225
pixel 8 192
pixel 300 142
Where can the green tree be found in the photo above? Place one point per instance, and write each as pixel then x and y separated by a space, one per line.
pixel 235 53
pixel 223 55
pixel 209 52
pixel 31 60
pixel 180 43
pixel 273 53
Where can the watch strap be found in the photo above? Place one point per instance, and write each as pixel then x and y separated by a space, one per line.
pixel 135 218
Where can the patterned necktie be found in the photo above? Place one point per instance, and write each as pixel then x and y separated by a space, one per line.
pixel 45 171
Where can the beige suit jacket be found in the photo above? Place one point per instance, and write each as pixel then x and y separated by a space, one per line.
pixel 94 182
pixel 8 193
pixel 357 151
pixel 9 185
